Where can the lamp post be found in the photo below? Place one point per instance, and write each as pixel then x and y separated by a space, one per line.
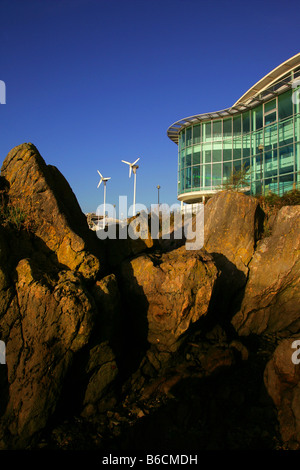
pixel 260 148
pixel 158 188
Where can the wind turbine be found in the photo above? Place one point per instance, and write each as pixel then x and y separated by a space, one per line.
pixel 104 182
pixel 132 168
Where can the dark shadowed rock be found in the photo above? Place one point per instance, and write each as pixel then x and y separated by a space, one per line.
pixel 168 293
pixel 102 370
pixel 282 380
pixel 108 300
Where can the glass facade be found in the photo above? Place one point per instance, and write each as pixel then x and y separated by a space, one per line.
pixel 264 139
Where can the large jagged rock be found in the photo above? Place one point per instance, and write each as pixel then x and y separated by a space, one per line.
pixel 282 381
pixel 233 223
pixel 47 322
pixel 166 294
pixel 55 310
pixel 43 194
pixel 272 295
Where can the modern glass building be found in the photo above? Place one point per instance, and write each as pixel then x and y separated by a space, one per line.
pixel 260 132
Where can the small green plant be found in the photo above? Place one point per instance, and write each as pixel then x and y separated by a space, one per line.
pixel 13 215
pixel 238 180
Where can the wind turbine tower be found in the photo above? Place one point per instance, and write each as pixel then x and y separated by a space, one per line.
pixel 132 168
pixel 104 182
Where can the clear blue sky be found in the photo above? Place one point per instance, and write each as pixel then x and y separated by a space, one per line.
pixel 92 82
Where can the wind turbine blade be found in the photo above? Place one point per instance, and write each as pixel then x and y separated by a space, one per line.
pixel 130 168
pixel 99 183
pixel 126 162
pixel 100 173
pixel 136 161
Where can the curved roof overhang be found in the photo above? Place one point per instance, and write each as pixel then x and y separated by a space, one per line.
pixel 249 100
pixel 270 78
pixel 193 197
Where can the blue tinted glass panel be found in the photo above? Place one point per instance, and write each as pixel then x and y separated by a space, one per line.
pixel 216 174
pixel 237 149
pixel 270 105
pixel 237 125
pixel 271 164
pixel 196 134
pixel 285 132
pixel 246 122
pixel 182 158
pixel 227 128
pixel 207 173
pixel 286 159
pixel 217 130
pixel 271 136
pixel 271 117
pixel 285 183
pixel 285 105
pixel 207 156
pixel 227 154
pixel 196 155
pixel 196 176
pixel 188 178
pixel 182 139
pixel 257 118
pixel 227 171
pixel 206 131
pixel 217 155
pixel 189 136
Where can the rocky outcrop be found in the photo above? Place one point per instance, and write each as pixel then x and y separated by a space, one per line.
pixel 119 331
pixel 282 380
pixel 45 325
pixel 151 232
pixel 168 293
pixel 233 224
pixel 265 271
pixel 272 295
pixel 44 196
pixel 56 310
